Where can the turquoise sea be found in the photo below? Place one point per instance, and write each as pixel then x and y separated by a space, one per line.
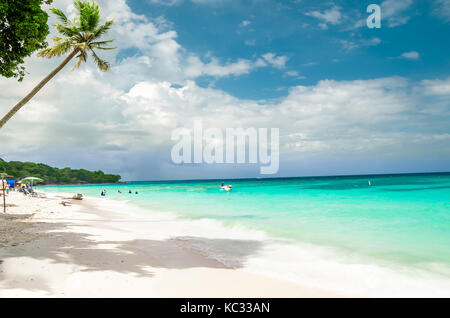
pixel 394 220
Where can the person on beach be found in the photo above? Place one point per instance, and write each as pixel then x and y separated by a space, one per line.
pixel 4 186
pixel 103 193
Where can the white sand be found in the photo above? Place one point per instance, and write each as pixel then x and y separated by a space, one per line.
pixel 82 251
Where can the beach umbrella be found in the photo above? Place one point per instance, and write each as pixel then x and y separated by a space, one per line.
pixel 31 179
pixel 3 176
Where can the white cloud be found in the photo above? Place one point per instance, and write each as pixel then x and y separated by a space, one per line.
pixel 372 42
pixel 276 61
pixel 442 9
pixel 177 2
pixel 356 43
pixel 121 121
pixel 295 74
pixel 210 2
pixel 437 87
pixel 195 67
pixel 393 12
pixel 331 16
pixel 292 73
pixel 413 55
pixel 348 45
pixel 250 42
pixel 82 113
pixel 166 2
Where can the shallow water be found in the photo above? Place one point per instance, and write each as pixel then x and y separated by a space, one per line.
pixel 397 220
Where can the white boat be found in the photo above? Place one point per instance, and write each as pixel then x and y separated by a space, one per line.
pixel 226 188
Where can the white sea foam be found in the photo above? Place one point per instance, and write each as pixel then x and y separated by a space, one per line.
pixel 325 268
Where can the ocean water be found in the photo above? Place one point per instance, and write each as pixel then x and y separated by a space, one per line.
pixel 394 232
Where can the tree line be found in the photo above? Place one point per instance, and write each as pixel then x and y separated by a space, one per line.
pixel 50 175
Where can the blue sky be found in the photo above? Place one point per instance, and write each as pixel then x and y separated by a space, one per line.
pixel 347 99
pixel 244 29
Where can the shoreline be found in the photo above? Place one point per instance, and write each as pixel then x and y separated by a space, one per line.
pixel 84 250
pixel 168 248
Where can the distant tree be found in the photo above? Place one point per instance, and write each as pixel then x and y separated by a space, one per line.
pixel 19 170
pixel 78 38
pixel 23 29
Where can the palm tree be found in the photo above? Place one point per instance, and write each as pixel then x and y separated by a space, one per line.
pixel 79 37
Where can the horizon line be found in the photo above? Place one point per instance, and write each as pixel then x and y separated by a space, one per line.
pixel 295 177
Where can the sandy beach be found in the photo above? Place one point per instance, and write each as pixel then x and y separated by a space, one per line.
pixel 86 250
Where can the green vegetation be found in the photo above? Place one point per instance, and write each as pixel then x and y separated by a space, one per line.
pixel 23 29
pixel 52 175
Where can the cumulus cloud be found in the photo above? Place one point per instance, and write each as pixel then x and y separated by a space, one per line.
pixel 276 61
pixel 413 55
pixel 210 1
pixel 250 42
pixel 331 16
pixel 292 73
pixel 245 23
pixel 121 121
pixel 442 9
pixel 393 12
pixel 123 127
pixel 357 43
pixel 166 2
pixel 437 87
pixel 176 2
pixel 195 67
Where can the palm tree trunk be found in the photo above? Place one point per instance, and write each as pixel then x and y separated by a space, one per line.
pixel 42 83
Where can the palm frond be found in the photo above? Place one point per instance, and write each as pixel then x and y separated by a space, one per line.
pixel 104 48
pixel 82 57
pixel 101 64
pixel 93 18
pixel 89 14
pixel 79 5
pixel 60 47
pixel 61 16
pixel 78 64
pixel 103 42
pixel 100 45
pixel 64 30
pixel 103 29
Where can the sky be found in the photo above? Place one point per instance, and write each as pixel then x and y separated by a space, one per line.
pixel 347 99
